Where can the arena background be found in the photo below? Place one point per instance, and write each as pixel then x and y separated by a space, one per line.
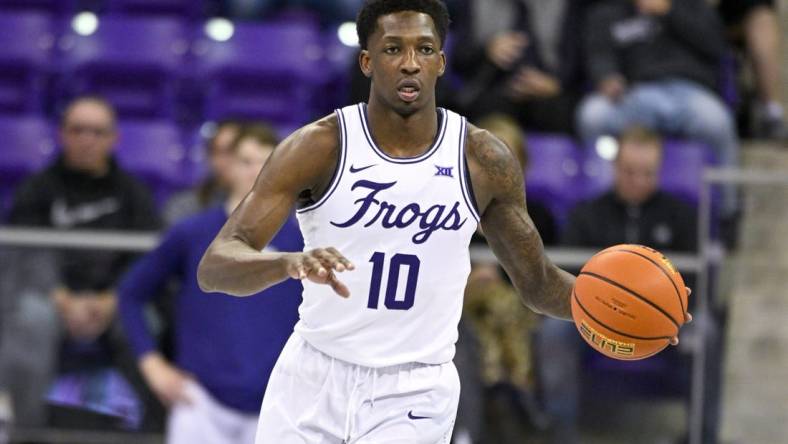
pixel 208 71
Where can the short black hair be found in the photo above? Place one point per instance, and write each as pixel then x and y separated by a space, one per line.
pixel 367 20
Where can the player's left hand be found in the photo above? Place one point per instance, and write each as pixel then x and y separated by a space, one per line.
pixel 320 266
pixel 687 319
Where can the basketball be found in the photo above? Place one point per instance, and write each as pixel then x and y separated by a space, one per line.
pixel 628 302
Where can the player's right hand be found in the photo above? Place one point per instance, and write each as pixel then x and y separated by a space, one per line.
pixel 166 381
pixel 320 266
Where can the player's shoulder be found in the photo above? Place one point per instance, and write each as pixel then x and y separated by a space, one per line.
pixel 319 136
pixel 488 151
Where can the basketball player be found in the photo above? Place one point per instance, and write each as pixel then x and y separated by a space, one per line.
pixel 390 193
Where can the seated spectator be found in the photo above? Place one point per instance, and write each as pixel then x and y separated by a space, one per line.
pixel 225 347
pixel 213 189
pixel 655 63
pixel 493 352
pixel 80 348
pixel 756 25
pixel 494 315
pixel 506 129
pixel 635 211
pixel 521 58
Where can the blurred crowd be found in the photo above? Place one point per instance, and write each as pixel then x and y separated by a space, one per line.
pixel 101 339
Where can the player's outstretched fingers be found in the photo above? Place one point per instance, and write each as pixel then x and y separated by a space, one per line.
pixel 314 266
pixel 674 340
pixel 337 285
pixel 329 260
pixel 341 259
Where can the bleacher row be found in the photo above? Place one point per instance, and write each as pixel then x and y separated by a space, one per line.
pixel 155 62
pixel 283 71
pixel 169 158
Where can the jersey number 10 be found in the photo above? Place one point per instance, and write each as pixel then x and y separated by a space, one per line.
pixel 397 261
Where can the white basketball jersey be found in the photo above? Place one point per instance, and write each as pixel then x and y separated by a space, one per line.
pixel 405 223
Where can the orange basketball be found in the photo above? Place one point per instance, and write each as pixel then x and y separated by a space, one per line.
pixel 628 301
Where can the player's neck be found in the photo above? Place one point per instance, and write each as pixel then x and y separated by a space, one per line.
pixel 402 136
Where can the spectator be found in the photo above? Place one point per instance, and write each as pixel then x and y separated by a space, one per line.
pixel 634 211
pixel 506 129
pixel 494 356
pixel 213 189
pixel 80 349
pixel 520 57
pixel 225 347
pixel 756 24
pixel 655 63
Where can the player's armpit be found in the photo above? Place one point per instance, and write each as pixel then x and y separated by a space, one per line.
pixel 498 185
pixel 302 164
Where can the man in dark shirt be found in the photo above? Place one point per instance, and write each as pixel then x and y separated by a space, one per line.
pixel 83 188
pixel 634 211
pixel 655 63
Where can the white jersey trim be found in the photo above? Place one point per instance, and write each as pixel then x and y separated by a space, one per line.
pixel 340 165
pixel 467 190
pixel 362 111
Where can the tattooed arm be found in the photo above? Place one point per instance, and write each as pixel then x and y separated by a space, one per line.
pixel 500 196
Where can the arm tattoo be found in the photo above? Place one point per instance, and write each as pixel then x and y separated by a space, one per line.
pixel 512 235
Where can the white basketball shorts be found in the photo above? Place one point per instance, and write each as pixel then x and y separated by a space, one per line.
pixel 313 398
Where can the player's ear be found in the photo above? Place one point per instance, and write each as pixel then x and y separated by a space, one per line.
pixel 443 64
pixel 364 63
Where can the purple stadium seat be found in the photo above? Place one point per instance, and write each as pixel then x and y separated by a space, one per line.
pixel 597 175
pixel 682 168
pixel 268 71
pixel 183 8
pixel 154 152
pixel 28 145
pixel 52 6
pixel 133 61
pixel 195 163
pixel 552 172
pixel 24 64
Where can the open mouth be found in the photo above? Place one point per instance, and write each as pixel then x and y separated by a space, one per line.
pixel 408 91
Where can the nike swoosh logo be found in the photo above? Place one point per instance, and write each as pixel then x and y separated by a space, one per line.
pixel 63 216
pixel 411 416
pixel 356 170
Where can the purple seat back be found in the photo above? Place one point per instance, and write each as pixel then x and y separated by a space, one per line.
pixel 552 172
pixel 597 174
pixel 682 168
pixel 24 65
pixel 53 6
pixel 134 62
pixel 268 71
pixel 182 8
pixel 28 144
pixel 154 152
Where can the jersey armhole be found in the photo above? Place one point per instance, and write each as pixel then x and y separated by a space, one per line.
pixel 465 175
pixel 338 170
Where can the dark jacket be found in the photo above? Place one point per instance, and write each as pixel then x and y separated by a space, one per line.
pixel 663 222
pixel 65 199
pixel 469 55
pixel 686 43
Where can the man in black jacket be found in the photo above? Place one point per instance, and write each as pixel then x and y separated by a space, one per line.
pixel 655 63
pixel 521 58
pixel 634 211
pixel 83 188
